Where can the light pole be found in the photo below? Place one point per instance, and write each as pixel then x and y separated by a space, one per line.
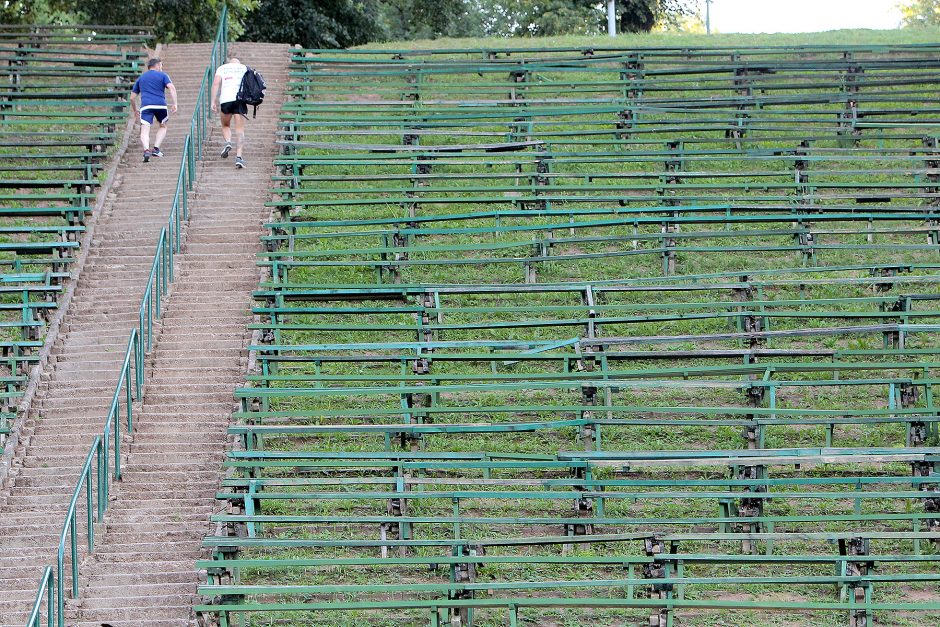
pixel 611 18
pixel 708 17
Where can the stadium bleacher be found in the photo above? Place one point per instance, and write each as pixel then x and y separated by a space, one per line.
pixel 593 335
pixel 62 108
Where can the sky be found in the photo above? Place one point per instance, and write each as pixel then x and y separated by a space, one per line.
pixel 798 16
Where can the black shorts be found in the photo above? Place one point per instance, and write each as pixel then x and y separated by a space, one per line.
pixel 235 106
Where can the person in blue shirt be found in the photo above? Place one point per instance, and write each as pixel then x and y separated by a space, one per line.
pixel 149 99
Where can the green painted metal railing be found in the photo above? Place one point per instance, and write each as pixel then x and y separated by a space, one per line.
pixel 46 589
pixel 98 471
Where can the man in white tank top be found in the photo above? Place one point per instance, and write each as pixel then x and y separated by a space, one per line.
pixel 225 86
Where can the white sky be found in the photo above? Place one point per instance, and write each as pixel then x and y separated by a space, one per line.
pixel 800 16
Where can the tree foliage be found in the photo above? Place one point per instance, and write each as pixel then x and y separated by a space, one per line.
pixel 36 12
pixel 513 18
pixel 341 23
pixel 920 13
pixel 321 24
pixel 635 16
pixel 172 20
pixel 507 18
pixel 428 19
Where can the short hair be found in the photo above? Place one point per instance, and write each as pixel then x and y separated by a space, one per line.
pixel 154 62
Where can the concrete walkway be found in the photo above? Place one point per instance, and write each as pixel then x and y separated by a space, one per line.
pixel 143 574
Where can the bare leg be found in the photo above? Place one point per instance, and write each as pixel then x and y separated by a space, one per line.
pixel 145 136
pixel 161 133
pixel 226 128
pixel 239 134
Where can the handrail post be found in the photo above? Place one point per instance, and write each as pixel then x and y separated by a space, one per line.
pixel 156 282
pixel 168 274
pixel 117 442
pixel 139 365
pixel 224 20
pixel 189 157
pixel 150 322
pixel 102 481
pixel 167 264
pixel 50 597
pixel 91 512
pixel 106 462
pixel 164 276
pixel 128 393
pixel 60 594
pixel 73 537
pixel 204 114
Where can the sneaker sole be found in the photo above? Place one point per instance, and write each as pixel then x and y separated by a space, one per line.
pixel 225 152
pixel 240 166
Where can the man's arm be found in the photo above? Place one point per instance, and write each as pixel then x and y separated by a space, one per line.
pixel 134 106
pixel 215 92
pixel 172 89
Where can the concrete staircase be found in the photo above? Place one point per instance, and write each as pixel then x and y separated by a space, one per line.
pixel 142 572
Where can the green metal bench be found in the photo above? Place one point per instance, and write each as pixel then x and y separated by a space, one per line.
pixel 482 569
pixel 59 114
pixel 728 266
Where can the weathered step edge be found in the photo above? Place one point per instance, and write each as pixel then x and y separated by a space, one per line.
pixel 11 444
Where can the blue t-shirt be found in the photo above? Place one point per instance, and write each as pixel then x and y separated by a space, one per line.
pixel 150 86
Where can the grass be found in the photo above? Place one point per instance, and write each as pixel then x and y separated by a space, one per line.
pixel 843 37
pixel 486 220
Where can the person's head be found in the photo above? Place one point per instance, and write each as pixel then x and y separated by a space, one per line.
pixel 233 59
pixel 155 64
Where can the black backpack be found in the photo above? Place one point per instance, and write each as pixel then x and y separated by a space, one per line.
pixel 251 90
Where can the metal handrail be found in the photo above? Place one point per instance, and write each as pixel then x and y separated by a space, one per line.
pixel 46 588
pixel 98 472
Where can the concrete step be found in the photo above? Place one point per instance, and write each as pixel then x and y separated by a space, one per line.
pixel 173 463
pixel 76 405
pixel 177 448
pixel 104 617
pixel 170 613
pixel 141 505
pixel 168 573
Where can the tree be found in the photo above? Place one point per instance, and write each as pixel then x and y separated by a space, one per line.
pixel 36 12
pixel 321 24
pixel 921 13
pixel 341 23
pixel 507 18
pixel 428 19
pixel 635 16
pixel 513 18
pixel 172 20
